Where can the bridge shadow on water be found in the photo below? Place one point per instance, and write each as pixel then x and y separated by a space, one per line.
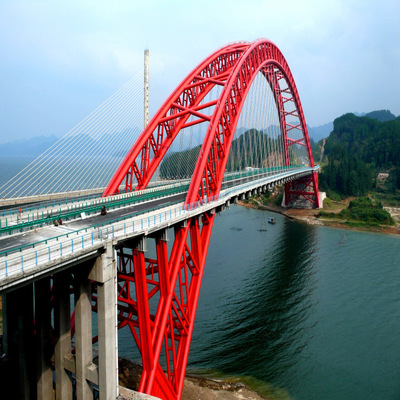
pixel 259 319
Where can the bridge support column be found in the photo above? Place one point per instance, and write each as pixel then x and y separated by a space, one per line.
pixel 104 272
pixel 302 192
pixel 19 344
pixel 62 325
pixel 44 351
pixel 83 334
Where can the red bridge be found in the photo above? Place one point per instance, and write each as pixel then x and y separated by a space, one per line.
pixel 173 279
pixel 157 295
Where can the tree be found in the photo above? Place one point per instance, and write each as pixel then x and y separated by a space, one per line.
pixel 357 148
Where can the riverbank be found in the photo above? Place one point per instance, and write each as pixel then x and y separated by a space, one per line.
pixel 194 387
pixel 309 216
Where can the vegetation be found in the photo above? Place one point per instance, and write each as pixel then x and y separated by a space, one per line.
pixel 327 203
pixel 265 198
pixel 362 210
pixel 268 199
pixel 394 179
pixel 278 199
pixel 350 176
pixel 316 150
pixel 381 115
pixel 357 149
pixel 180 164
pixel 389 199
pixel 243 149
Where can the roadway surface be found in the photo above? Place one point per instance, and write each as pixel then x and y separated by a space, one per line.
pixel 14 242
pixel 36 235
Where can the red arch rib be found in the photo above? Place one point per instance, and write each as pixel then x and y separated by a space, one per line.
pixel 157 137
pixel 259 56
pixel 235 67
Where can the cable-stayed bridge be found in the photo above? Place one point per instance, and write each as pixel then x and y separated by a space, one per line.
pixel 232 128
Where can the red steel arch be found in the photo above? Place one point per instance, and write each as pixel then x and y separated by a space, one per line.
pixel 146 154
pixel 158 296
pixel 262 56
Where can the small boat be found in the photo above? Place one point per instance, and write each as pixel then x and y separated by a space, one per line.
pixel 271 220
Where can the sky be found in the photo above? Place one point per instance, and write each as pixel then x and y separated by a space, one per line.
pixel 62 59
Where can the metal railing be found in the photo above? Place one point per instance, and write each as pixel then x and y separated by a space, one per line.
pixel 51 249
pixel 19 223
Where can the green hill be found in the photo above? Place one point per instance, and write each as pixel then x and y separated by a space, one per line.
pixel 244 152
pixel 357 149
pixel 381 115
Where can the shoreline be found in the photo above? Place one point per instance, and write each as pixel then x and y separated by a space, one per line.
pixel 308 216
pixel 205 388
pixel 195 387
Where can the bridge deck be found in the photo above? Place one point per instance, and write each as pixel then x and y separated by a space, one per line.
pixel 24 255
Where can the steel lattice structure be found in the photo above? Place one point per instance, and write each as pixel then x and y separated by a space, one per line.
pixel 157 297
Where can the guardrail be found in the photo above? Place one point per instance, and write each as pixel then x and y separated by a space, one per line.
pixel 18 222
pixel 64 202
pixel 42 252
pixel 31 220
pixel 36 208
pixel 66 198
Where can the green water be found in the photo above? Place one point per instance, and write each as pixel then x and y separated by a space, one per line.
pixel 300 311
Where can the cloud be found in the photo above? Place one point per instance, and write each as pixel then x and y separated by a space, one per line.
pixel 342 53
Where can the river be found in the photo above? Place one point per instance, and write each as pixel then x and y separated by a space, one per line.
pixel 299 311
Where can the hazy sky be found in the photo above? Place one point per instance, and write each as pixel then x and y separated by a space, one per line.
pixel 61 59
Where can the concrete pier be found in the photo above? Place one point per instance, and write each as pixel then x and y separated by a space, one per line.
pixel 62 327
pixel 19 343
pixel 44 352
pixel 83 335
pixel 27 315
pixel 104 272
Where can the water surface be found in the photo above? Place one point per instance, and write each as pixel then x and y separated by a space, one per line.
pixel 312 310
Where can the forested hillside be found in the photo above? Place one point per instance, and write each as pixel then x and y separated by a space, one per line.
pixel 245 151
pixel 357 149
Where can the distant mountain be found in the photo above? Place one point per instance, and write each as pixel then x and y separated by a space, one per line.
pixel 78 145
pixel 244 148
pixel 381 115
pixel 320 132
pixel 316 133
pixel 373 141
pixel 27 147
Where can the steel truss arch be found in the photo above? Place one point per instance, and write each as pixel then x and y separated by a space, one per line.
pixel 148 151
pixel 170 283
pixel 261 56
